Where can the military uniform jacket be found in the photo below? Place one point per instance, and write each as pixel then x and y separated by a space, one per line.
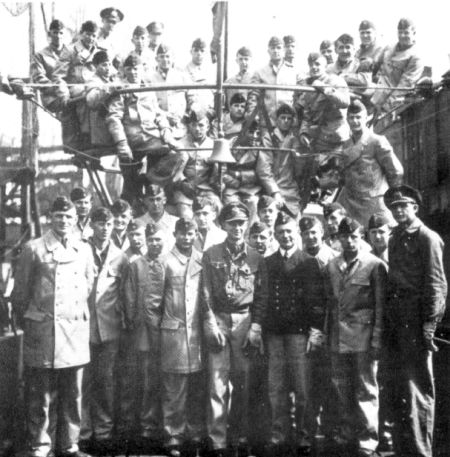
pixel 167 224
pixel 180 325
pixel 214 235
pixel 371 53
pixel 356 300
pixel 240 78
pixel 201 74
pixel 105 300
pixel 51 290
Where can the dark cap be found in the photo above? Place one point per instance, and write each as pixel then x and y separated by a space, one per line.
pixel 345 38
pixel 405 23
pixel 153 190
pixel 348 225
pixel 275 41
pixel 283 218
pixel 201 201
pixel 326 44
pixel 288 39
pixel 56 24
pixel 285 109
pixel 61 204
pixel 332 207
pixel 308 222
pixel 402 194
pixel 366 25
pixel 238 98
pixel 136 224
pixel 313 56
pixel 235 211
pixel 120 206
pixel 79 193
pixel 151 229
pixel 132 61
pixel 157 28
pixel 89 27
pixel 196 113
pixel 163 49
pixel 139 31
pixel 356 106
pixel 265 201
pixel 377 220
pixel 253 127
pixel 100 57
pixel 112 13
pixel 101 214
pixel 185 224
pixel 258 227
pixel 244 51
pixel 199 44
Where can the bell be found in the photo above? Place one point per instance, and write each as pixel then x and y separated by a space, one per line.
pixel 221 152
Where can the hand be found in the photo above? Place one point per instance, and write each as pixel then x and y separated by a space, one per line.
pixel 279 200
pixel 123 150
pixel 365 65
pixel 215 339
pixel 254 338
pixel 428 330
pixel 316 340
pixel 305 141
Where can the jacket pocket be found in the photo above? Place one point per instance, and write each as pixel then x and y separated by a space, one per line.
pixel 35 316
pixel 170 325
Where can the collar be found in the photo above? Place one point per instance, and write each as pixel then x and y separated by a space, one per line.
pixel 413 227
pixel 289 252
pixel 346 267
pixel 183 259
pixel 242 251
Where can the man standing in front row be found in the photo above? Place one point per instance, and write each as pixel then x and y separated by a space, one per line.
pixel 53 280
pixel 234 300
pixel 417 290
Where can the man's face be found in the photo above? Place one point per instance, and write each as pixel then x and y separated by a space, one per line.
pixel 312 239
pixel 140 42
pixel 184 239
pixel 121 220
pixel 134 74
pixel 252 137
pixel 205 217
pixel 260 241
pixel 351 242
pixel 88 39
pixel 137 238
pixel 289 52
pixel 83 206
pixel 333 221
pixel 56 37
pixel 275 53
pixel 243 63
pixel 379 237
pixel 155 39
pixel 286 235
pixel 284 122
pixel 101 230
pixel 62 222
pixel 406 37
pixel 109 23
pixel 328 53
pixel 199 129
pixel 237 111
pixel 269 214
pixel 317 67
pixel 104 69
pixel 235 230
pixel 164 60
pixel 345 52
pixel 404 213
pixel 367 36
pixel 155 244
pixel 198 55
pixel 357 121
pixel 156 204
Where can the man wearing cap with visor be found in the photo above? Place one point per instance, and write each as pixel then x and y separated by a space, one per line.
pixel 417 291
pixel 108 40
pixel 234 299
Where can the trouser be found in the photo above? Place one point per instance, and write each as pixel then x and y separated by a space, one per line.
pixel 354 377
pixel 230 364
pixel 97 406
pixel 53 408
pixel 386 381
pixel 288 372
pixel 183 406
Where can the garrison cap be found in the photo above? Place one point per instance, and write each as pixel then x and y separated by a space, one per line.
pixel 405 23
pixel 153 190
pixel 120 206
pixel 151 229
pixel 136 224
pixel 100 57
pixel 196 113
pixel 265 201
pixel 402 194
pixel 163 49
pixel 157 28
pixel 235 211
pixel 237 98
pixel 139 31
pixel 112 13
pixel 79 193
pixel 258 227
pixel 326 44
pixel 101 214
pixel 185 224
pixel 366 25
pixel 356 106
pixel 348 225
pixel 332 207
pixel 253 127
pixel 308 222
pixel 244 51
pixel 89 27
pixel 285 109
pixel 288 39
pixel 201 201
pixel 377 220
pixel 313 56
pixel 283 218
pixel 345 38
pixel 275 41
pixel 61 204
pixel 132 61
pixel 56 24
pixel 199 43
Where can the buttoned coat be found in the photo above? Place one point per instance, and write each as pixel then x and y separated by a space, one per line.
pixel 214 235
pixel 51 289
pixel 180 324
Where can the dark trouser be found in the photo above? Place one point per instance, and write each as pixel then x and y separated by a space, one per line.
pixel 386 382
pixel 354 377
pixel 97 417
pixel 54 408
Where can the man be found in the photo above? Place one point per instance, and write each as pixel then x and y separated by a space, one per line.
pixel 244 75
pixel 275 72
pixel 205 215
pixel 136 239
pixel 286 329
pixel 370 51
pixel 53 280
pixel 233 121
pixel 327 50
pixel 401 66
pixel 289 49
pixel 333 215
pixel 108 40
pixel 267 210
pixel 141 40
pixel 234 300
pixel 417 291
pixel 155 200
pixel 379 232
pixel 181 345
pixel 369 167
pixel 356 296
pixel 82 200
pixel 105 307
pixel 122 214
pixel 155 33
pixel 260 237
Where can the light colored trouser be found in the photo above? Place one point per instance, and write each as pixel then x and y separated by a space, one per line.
pixel 54 408
pixel 354 377
pixel 288 372
pixel 97 405
pixel 183 406
pixel 230 364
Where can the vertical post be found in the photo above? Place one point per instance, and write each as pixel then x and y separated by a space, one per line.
pixel 225 45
